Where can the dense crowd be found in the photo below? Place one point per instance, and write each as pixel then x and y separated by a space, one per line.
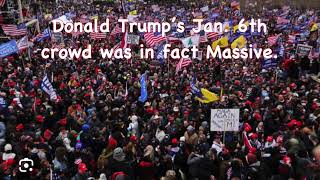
pixel 97 127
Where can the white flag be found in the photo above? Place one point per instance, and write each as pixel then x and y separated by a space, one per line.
pixel 191 41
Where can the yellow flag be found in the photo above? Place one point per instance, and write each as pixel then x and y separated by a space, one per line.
pixel 222 42
pixel 240 42
pixel 134 12
pixel 235 28
pixel 314 27
pixel 208 96
pixel 226 27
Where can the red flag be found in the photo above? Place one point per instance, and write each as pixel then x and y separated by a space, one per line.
pixel 246 141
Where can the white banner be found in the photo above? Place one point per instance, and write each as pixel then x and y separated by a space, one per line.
pixel 224 120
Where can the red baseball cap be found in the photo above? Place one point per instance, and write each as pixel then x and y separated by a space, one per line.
pixel 39 118
pixel 253 136
pixel 133 138
pixel 19 127
pixel 174 141
pixel 63 122
pixel 269 138
pixel 82 167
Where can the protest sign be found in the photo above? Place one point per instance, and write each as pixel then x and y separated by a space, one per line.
pixel 133 39
pixel 303 50
pixel 224 120
pixel 8 48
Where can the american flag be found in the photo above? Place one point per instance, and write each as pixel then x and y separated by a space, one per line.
pixel 2 2
pixel 182 63
pixel 272 40
pixel 116 30
pixel 14 30
pixel 23 43
pixel 281 20
pixel 212 35
pixel 98 35
pixel 124 42
pixel 203 36
pixel 46 34
pixel 153 38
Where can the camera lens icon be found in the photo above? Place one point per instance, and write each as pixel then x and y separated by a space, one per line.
pixel 25 165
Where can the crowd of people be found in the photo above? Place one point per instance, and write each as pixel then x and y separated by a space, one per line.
pixel 97 128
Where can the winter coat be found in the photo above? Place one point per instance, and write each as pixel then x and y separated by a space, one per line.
pixel 146 170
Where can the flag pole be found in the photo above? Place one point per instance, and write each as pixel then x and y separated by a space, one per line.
pixel 168 60
pixel 22 61
pixel 20 11
pixel 168 66
pixel 224 133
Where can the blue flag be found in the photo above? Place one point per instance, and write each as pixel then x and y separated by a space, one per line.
pixel 144 93
pixel 46 34
pixel 8 48
pixel 160 54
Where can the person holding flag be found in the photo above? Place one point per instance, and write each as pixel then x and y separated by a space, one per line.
pixel 143 86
